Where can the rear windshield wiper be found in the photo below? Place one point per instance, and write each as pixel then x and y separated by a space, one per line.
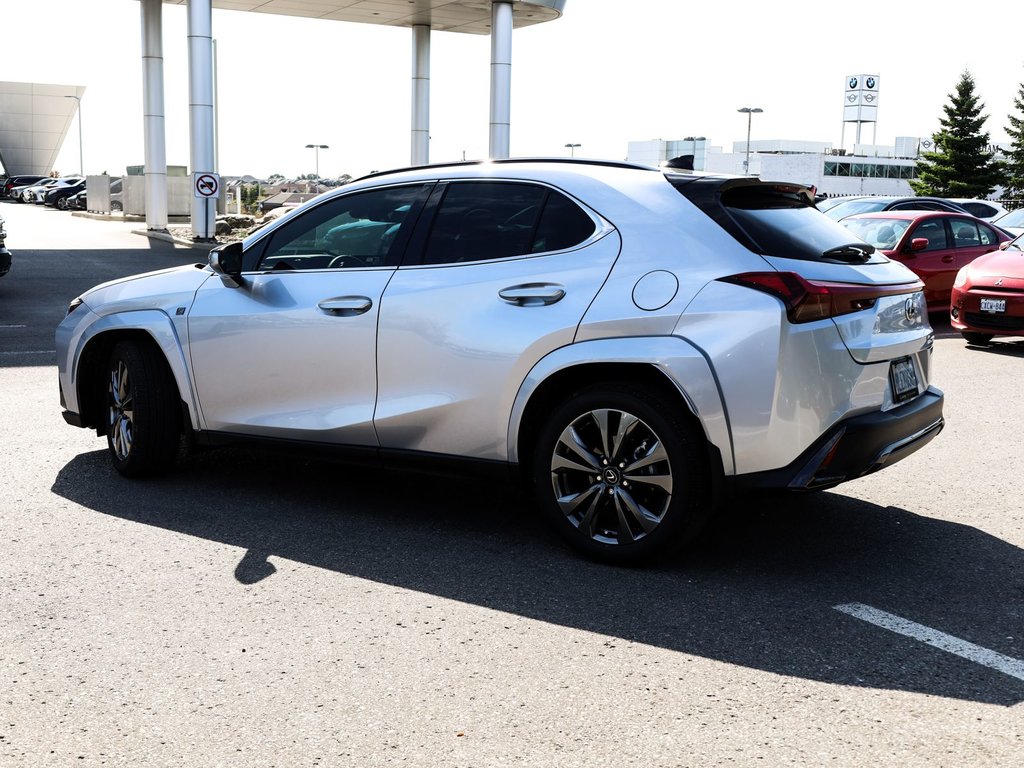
pixel 852 253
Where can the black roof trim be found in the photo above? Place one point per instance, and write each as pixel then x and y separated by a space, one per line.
pixel 513 161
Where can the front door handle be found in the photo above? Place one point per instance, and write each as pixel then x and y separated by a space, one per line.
pixel 346 306
pixel 532 294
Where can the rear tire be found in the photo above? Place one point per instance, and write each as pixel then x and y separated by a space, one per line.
pixel 62 203
pixel 143 407
pixel 981 339
pixel 622 473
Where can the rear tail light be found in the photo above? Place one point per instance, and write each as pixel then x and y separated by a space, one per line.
pixel 809 300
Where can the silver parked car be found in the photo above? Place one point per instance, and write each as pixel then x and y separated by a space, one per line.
pixel 633 341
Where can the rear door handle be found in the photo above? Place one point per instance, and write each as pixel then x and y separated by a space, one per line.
pixel 346 306
pixel 532 294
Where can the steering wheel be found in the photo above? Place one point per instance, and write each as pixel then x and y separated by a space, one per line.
pixel 345 260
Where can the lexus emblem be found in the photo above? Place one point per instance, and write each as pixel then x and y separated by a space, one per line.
pixel 870 82
pixel 910 309
pixel 853 83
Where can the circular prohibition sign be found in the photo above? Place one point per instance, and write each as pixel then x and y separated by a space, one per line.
pixel 207 185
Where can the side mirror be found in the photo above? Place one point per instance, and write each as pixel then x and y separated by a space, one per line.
pixel 226 261
pixel 919 243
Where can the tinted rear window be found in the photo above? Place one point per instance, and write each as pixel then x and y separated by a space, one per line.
pixel 770 219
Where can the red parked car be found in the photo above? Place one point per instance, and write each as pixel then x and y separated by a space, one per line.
pixel 988 295
pixel 934 244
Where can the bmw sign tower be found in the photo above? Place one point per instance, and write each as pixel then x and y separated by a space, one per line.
pixel 860 104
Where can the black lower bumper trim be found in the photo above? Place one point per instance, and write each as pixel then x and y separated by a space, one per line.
pixel 858 446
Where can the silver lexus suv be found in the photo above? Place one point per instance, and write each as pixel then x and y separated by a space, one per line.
pixel 631 341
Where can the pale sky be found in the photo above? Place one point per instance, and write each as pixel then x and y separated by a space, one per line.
pixel 606 73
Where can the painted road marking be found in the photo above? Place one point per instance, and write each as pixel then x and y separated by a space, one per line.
pixel 997 661
pixel 13 326
pixel 32 352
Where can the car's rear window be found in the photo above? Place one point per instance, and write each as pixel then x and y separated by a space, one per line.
pixel 775 220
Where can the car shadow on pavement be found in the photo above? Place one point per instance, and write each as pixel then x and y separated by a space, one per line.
pixel 758 590
pixel 996 347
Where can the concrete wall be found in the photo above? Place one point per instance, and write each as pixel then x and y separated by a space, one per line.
pixel 179 195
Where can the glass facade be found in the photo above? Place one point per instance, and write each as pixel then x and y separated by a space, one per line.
pixel 869 170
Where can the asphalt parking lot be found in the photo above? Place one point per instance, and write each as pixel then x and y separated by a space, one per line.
pixel 253 609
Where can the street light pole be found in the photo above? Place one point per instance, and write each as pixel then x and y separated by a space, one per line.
pixel 316 148
pixel 572 149
pixel 749 112
pixel 81 163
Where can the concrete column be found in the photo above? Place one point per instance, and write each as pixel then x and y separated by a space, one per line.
pixel 153 114
pixel 420 154
pixel 501 78
pixel 200 109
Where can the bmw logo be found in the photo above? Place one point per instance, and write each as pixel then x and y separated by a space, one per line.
pixel 853 82
pixel 870 82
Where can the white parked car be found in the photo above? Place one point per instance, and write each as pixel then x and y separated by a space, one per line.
pixel 986 210
pixel 1012 222
pixel 629 341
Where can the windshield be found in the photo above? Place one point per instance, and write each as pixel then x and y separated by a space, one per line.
pixel 1011 219
pixel 881 233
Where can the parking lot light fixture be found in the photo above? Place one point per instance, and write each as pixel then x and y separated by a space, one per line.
pixel 572 149
pixel 749 112
pixel 316 148
pixel 81 163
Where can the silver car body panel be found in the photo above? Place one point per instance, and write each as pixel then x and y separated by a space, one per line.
pixel 682 363
pixel 154 302
pixel 289 354
pixel 784 384
pixel 455 341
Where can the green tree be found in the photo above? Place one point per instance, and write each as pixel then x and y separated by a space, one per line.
pixel 961 165
pixel 1015 158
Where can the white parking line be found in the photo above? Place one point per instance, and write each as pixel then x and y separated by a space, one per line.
pixel 32 352
pixel 13 326
pixel 997 661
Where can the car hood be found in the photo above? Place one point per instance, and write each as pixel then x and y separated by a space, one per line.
pixel 149 290
pixel 1008 263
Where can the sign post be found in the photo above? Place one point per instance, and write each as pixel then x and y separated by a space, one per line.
pixel 206 186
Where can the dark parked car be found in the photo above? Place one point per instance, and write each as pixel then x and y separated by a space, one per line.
pixel 855 205
pixel 5 255
pixel 23 180
pixel 58 196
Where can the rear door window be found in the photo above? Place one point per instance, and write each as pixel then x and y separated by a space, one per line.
pixel 480 220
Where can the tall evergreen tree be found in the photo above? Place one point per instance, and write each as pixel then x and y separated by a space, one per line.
pixel 1015 160
pixel 961 165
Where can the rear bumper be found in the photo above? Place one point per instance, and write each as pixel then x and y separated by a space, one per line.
pixel 858 446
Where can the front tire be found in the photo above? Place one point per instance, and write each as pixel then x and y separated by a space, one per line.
pixel 622 473
pixel 144 416
pixel 62 203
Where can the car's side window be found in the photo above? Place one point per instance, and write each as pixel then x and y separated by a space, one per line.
pixel 935 232
pixel 357 230
pixel 987 235
pixel 496 219
pixel 965 234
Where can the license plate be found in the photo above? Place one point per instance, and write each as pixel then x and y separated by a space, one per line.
pixel 903 377
pixel 993 305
